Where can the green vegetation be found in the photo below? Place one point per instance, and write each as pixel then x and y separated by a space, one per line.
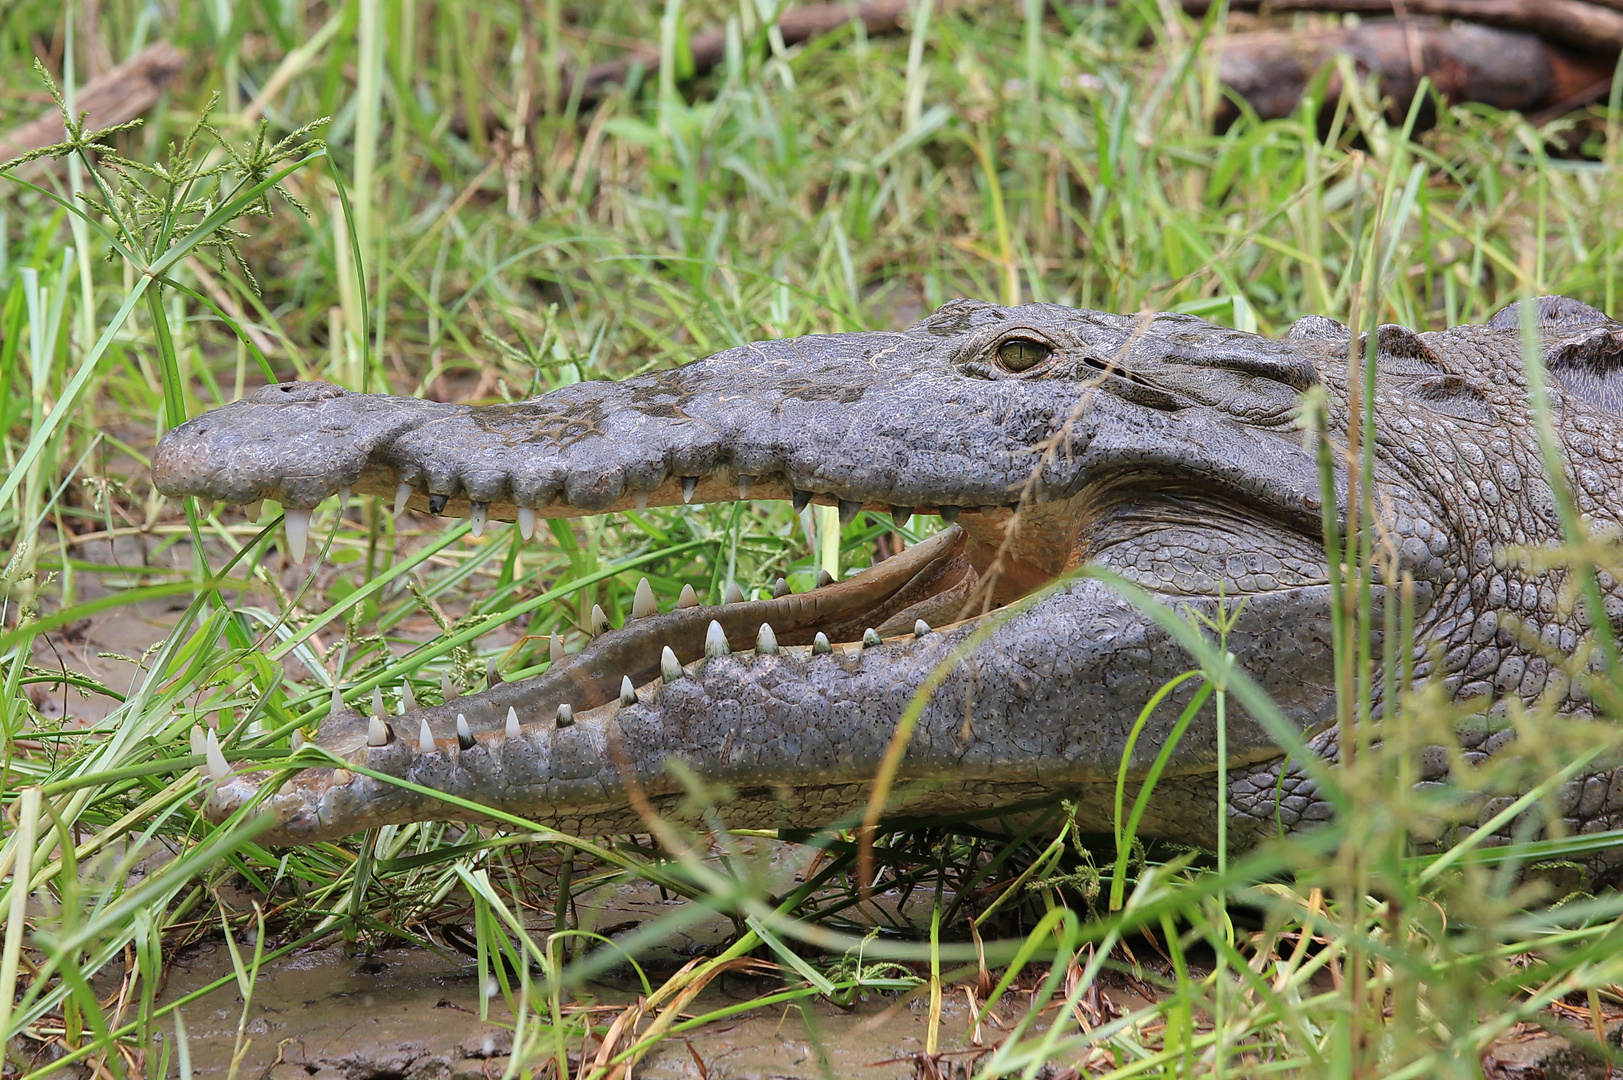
pixel 427 246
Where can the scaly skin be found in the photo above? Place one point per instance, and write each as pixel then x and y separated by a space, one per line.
pixel 1162 447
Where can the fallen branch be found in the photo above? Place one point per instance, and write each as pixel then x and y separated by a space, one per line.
pixel 112 98
pixel 1587 24
pixel 1508 69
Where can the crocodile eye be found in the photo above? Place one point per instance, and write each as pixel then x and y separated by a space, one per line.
pixel 1023 354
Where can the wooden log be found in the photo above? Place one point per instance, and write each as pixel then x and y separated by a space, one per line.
pixel 1509 69
pixel 114 97
pixel 1584 24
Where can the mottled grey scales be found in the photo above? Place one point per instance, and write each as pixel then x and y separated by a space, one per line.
pixel 1160 446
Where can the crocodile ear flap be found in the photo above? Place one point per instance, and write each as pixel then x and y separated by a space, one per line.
pixel 1583 349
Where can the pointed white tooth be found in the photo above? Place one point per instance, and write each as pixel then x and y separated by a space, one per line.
pixel 849 511
pixel 447 690
pixel 628 693
pixel 640 500
pixel 600 621
pixel 478 515
pixel 425 738
pixel 254 510
pixel 337 700
pixel 744 484
pixel 298 533
pixel 555 649
pixel 408 697
pixel 642 604
pixel 205 507
pixel 340 777
pixel 377 732
pixel 526 522
pixel 688 598
pixel 492 676
pixel 402 494
pixel 766 641
pixel 735 595
pixel 820 644
pixel 566 715
pixel 780 589
pixel 512 723
pixel 824 578
pixel 920 628
pixel 218 769
pixel 670 669
pixel 871 639
pixel 715 640
pixel 197 738
pixel 297 739
pixel 689 485
pixel 377 701
pixel 464 735
pixel 343 500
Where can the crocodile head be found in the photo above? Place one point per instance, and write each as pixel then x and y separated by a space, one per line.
pixel 1162 447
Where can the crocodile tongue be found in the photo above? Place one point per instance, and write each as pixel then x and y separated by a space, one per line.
pixel 933 581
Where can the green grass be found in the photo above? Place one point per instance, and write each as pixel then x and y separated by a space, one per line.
pixel 851 183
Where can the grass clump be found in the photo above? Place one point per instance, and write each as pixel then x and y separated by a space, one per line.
pixel 429 244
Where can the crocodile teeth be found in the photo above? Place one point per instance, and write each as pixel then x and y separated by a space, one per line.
pixel 425 739
pixel 526 522
pixel 436 503
pixel 991 510
pixel 478 516
pixel 297 739
pixel 871 639
pixel 628 693
pixel 642 604
pixel 820 644
pixel 402 495
pixel 408 699
pixel 218 769
pixel 801 499
pixel 900 515
pixel 254 510
pixel 735 595
pixel 600 621
pixel 670 668
pixel 744 483
pixel 337 700
pixel 780 589
pixel 920 628
pixel 205 507
pixel 766 641
pixel 512 723
pixel 377 701
pixel 464 736
pixel 298 533
pixel 949 514
pixel 640 500
pixel 715 640
pixel 688 598
pixel 492 676
pixel 824 578
pixel 377 732
pixel 343 500
pixel 555 649
pixel 689 485
pixel 197 739
pixel 447 691
pixel 340 777
pixel 566 716
pixel 849 511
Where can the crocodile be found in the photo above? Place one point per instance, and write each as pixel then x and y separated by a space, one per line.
pixel 1056 444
